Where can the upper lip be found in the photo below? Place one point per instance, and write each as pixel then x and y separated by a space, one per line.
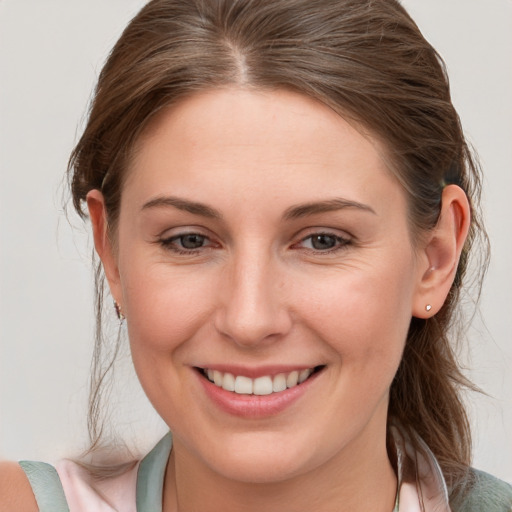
pixel 259 371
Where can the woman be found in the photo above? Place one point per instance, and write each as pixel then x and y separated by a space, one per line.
pixel 283 203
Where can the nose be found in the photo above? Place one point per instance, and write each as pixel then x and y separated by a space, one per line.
pixel 253 308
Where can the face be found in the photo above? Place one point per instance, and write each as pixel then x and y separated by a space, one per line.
pixel 261 241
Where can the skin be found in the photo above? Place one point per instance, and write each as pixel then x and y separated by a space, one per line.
pixel 258 293
pixel 15 490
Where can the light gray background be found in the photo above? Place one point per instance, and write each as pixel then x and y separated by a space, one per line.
pixel 50 55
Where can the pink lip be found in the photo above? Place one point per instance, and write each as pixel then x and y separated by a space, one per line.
pixel 254 406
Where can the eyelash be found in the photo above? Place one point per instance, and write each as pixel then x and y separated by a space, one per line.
pixel 170 243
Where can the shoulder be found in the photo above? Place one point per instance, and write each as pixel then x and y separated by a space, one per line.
pixel 486 493
pixel 99 488
pixel 15 490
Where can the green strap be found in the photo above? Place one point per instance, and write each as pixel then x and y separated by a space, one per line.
pixel 46 486
pixel 397 503
pixel 150 477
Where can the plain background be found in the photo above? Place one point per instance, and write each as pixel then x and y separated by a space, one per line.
pixel 51 52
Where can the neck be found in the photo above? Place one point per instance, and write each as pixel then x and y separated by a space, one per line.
pixel 358 479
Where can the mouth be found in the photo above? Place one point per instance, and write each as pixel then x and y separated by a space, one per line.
pixel 259 386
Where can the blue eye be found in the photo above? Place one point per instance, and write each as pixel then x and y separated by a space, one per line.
pixel 186 243
pixel 191 241
pixel 324 242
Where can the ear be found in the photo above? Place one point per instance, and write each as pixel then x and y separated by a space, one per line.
pixel 102 242
pixel 440 255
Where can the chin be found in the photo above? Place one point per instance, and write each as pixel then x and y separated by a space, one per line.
pixel 264 469
pixel 261 458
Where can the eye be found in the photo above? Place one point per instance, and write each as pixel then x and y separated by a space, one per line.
pixel 324 242
pixel 190 241
pixel 186 243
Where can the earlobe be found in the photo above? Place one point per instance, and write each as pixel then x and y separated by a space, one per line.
pixel 440 256
pixel 102 242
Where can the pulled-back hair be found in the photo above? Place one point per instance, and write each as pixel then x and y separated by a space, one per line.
pixel 366 60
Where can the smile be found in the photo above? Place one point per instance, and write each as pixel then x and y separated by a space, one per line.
pixel 264 385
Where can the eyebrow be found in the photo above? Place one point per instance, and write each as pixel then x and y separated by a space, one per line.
pixel 294 212
pixel 183 204
pixel 303 210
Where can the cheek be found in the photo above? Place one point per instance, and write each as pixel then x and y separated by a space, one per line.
pixel 363 315
pixel 164 311
pixel 165 307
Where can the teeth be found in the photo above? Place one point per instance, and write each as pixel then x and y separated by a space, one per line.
pixel 304 374
pixel 243 385
pixel 262 386
pixel 217 378
pixel 292 379
pixel 279 383
pixel 228 383
pixel 265 385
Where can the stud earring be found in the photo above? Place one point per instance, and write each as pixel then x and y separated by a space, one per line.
pixel 119 312
pixel 428 307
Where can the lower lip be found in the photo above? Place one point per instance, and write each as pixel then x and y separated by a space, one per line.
pixel 255 406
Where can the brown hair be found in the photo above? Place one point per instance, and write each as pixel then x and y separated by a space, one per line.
pixel 365 59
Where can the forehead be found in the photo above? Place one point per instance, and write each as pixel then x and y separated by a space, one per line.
pixel 234 141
